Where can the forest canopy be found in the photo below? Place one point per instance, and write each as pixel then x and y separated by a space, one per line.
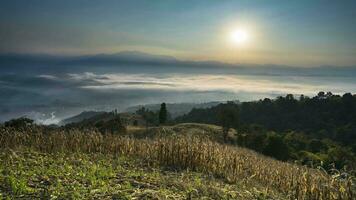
pixel 319 129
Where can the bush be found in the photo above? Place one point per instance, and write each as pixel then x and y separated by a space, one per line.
pixel 19 123
pixel 276 147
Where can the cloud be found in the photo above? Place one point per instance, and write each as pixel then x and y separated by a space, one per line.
pixel 47 76
pixel 44 94
pixel 82 76
pixel 185 82
pixel 43 118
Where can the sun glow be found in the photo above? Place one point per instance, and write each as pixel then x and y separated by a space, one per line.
pixel 239 36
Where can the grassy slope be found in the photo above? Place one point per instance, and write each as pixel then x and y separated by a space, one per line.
pixel 209 131
pixel 229 172
pixel 32 175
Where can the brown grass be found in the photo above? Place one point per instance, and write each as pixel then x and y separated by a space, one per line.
pixel 232 163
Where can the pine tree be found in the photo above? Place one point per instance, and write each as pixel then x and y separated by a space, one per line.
pixel 163 114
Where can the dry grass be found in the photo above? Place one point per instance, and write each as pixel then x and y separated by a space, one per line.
pixel 27 174
pixel 207 131
pixel 234 164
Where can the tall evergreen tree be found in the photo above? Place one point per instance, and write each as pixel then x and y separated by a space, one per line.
pixel 163 114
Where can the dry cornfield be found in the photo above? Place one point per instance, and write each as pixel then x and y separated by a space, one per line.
pixel 195 153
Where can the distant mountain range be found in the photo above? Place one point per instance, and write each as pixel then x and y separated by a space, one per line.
pixel 175 110
pixel 141 58
pixel 80 117
pixel 127 57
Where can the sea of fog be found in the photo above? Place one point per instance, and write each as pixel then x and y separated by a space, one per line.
pixel 49 94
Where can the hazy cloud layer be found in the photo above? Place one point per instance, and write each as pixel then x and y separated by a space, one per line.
pixel 185 82
pixel 49 95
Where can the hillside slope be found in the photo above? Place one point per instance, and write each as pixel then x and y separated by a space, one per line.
pixel 177 153
pixel 80 117
pixel 175 109
pixel 35 175
pixel 206 131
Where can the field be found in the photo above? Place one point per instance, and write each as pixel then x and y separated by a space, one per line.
pixel 29 174
pixel 72 164
pixel 206 131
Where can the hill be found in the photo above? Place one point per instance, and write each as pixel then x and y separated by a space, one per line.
pixel 206 131
pixel 319 130
pixel 175 109
pixel 35 175
pixel 80 117
pixel 40 162
pixel 92 117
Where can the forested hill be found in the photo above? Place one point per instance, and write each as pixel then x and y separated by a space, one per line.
pixel 325 115
pixel 321 128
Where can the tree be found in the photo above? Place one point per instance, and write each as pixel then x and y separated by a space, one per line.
pixel 276 147
pixel 340 157
pixel 316 145
pixel 228 117
pixel 163 114
pixel 21 122
pixel 149 116
pixel 321 95
pixel 113 126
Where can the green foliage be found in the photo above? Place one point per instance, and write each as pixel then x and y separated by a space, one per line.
pixel 340 157
pixel 316 145
pixel 34 175
pixel 19 123
pixel 296 141
pixel 105 123
pixel 276 147
pixel 315 124
pixel 150 117
pixel 325 115
pixel 228 118
pixel 111 126
pixel 310 159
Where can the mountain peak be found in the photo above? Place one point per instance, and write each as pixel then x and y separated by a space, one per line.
pixel 143 55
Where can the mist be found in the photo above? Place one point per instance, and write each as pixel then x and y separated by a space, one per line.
pixel 52 88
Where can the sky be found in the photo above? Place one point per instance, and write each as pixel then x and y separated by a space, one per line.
pixel 277 47
pixel 298 33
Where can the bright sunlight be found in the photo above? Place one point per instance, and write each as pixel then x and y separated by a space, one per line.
pixel 239 36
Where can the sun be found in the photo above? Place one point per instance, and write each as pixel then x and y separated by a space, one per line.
pixel 239 36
